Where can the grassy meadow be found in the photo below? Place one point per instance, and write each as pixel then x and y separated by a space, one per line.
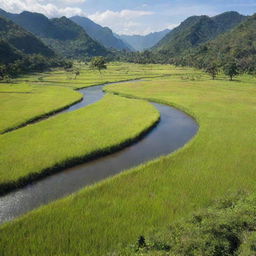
pixel 99 219
pixel 115 72
pixel 22 103
pixel 41 94
pixel 31 97
pixel 73 137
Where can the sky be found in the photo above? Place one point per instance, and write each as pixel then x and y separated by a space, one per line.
pixel 131 16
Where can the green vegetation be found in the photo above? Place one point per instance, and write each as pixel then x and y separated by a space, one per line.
pixel 98 63
pixel 195 31
pixel 237 46
pixel 212 69
pixel 21 52
pixel 201 41
pixel 108 216
pixel 116 72
pixel 231 70
pixel 22 40
pixel 85 127
pixel 40 94
pixel 114 213
pixel 32 102
pixel 225 228
pixel 61 34
pixel 103 35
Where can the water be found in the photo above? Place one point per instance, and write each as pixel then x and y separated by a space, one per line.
pixel 173 131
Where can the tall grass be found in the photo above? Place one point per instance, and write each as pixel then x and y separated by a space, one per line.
pixel 22 103
pixel 72 137
pixel 40 95
pixel 100 218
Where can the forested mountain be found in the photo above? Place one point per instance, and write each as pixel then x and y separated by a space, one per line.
pixel 195 31
pixel 15 41
pixel 22 52
pixel 61 34
pixel 103 35
pixel 141 43
pixel 237 45
pixel 8 54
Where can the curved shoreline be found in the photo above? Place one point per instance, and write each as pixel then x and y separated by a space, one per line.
pixel 6 188
pixel 186 128
pixel 41 117
pixel 9 187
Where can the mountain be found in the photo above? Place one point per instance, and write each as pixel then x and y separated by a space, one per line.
pixel 238 44
pixel 8 54
pixel 15 42
pixel 103 35
pixel 141 43
pixel 197 30
pixel 61 34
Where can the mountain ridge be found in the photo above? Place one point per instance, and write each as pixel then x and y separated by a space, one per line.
pixel 62 35
pixel 196 30
pixel 103 35
pixel 15 42
pixel 236 45
pixel 141 43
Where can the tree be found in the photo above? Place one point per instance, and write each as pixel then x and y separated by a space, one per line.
pixel 76 72
pixel 212 69
pixel 98 63
pixel 2 71
pixel 231 70
pixel 68 65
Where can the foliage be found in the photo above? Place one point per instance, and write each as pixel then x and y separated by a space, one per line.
pixel 21 40
pixel 227 228
pixel 30 63
pixel 237 45
pixel 98 63
pixel 61 34
pixel 21 52
pixel 212 69
pixel 231 70
pixel 196 30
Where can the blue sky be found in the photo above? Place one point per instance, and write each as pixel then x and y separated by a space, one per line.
pixel 131 16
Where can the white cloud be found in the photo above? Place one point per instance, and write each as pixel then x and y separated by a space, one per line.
pixel 122 22
pixel 172 26
pixel 108 15
pixel 72 1
pixel 49 9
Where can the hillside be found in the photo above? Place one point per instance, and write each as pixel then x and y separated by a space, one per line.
pixel 197 30
pixel 141 43
pixel 61 34
pixel 238 44
pixel 103 35
pixel 8 53
pixel 15 38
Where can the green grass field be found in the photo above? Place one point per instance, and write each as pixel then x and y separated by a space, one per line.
pixel 21 103
pixel 221 159
pixel 73 136
pixel 30 97
pixel 40 94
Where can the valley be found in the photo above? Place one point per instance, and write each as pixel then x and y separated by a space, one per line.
pixel 119 140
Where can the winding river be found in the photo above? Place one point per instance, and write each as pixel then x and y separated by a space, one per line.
pixel 173 131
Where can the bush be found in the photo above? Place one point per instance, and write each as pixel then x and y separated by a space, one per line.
pixel 227 228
